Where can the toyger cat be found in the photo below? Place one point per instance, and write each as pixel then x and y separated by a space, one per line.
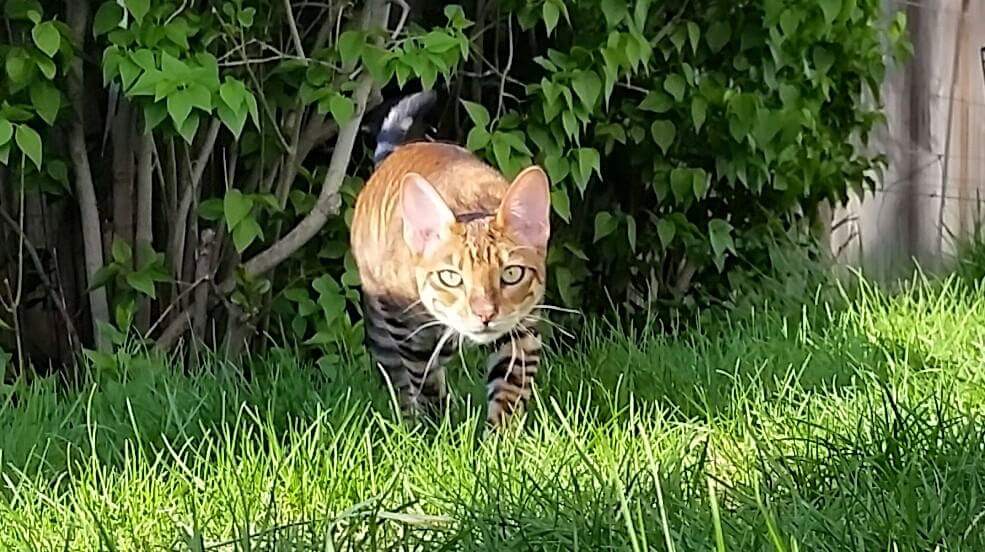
pixel 448 249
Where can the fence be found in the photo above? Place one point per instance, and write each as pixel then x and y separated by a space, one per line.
pixel 933 193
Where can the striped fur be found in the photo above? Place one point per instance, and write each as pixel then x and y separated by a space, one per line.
pixel 431 209
pixel 398 122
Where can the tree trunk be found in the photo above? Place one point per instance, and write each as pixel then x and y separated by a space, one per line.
pixel 123 167
pixel 145 218
pixel 78 19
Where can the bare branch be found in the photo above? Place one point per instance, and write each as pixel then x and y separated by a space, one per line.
pixel 203 267
pixel 404 12
pixel 328 200
pixel 294 28
pixel 55 296
pixel 187 197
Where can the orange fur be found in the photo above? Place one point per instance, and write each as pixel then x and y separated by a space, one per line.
pixel 469 258
pixel 479 249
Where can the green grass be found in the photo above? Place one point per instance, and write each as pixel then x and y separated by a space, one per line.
pixel 855 426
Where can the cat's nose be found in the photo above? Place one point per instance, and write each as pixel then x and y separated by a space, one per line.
pixel 483 308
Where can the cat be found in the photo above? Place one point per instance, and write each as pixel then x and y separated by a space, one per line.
pixel 447 250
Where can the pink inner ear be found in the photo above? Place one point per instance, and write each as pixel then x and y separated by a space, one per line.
pixel 426 218
pixel 526 208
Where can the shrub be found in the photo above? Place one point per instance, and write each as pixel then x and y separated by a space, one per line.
pixel 172 151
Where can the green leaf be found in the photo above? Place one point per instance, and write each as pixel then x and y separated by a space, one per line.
pixel 589 159
pixel 666 230
pixel 720 235
pixel 177 31
pixel 251 103
pixel 29 142
pixel 6 131
pixel 233 92
pixel 58 170
pixel 129 71
pixel 501 150
pixel 47 100
pixel 47 38
pixel 831 9
pixel 682 184
pixel 823 59
pixel 246 17
pixel 551 16
pixel 190 127
pixel 605 224
pixel 236 207
pixel 350 46
pixel 146 60
pixel 631 232
pixel 789 21
pixel 154 114
pixel 657 102
pixel 557 167
pixel 615 11
pixel 561 204
pixel 565 286
pixel 439 42
pixel 663 133
pixel 477 112
pixel 694 35
pixel 675 85
pixel 699 110
pixel 588 87
pixel 718 35
pixel 142 282
pixel 570 124
pixel 23 10
pixel 478 138
pixel 211 209
pixel 122 253
pixel 699 180
pixel 342 108
pixel 200 97
pixel 180 106
pixel 138 8
pixel 103 276
pixel 18 67
pixel 245 233
pixel 235 121
pixel 46 66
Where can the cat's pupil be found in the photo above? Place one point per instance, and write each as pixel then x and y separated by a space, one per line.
pixel 450 278
pixel 512 274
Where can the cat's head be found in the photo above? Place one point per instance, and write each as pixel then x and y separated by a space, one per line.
pixel 483 276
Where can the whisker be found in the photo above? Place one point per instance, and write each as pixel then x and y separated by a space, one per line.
pixel 559 309
pixel 434 354
pixel 461 350
pixel 549 322
pixel 422 328
pixel 512 351
pixel 410 306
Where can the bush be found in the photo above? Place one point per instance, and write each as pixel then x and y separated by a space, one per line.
pixel 172 152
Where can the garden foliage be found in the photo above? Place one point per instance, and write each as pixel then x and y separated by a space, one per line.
pixel 187 170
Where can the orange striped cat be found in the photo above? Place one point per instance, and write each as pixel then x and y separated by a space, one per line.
pixel 448 250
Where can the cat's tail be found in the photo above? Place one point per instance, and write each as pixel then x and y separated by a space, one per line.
pixel 399 120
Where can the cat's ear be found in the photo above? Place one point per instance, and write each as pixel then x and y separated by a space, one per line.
pixel 426 218
pixel 526 209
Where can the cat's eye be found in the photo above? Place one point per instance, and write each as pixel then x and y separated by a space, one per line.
pixel 513 274
pixel 450 278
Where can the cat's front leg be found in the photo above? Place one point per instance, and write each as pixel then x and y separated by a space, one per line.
pixel 512 368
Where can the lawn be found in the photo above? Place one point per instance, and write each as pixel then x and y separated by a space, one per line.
pixel 855 424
